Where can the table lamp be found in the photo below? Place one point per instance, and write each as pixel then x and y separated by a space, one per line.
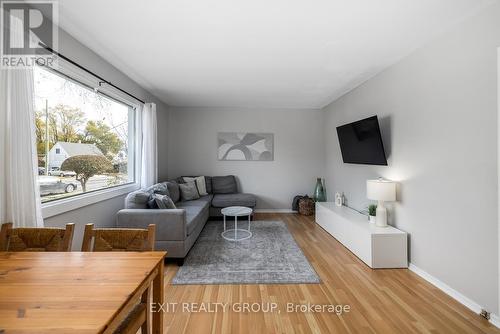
pixel 381 190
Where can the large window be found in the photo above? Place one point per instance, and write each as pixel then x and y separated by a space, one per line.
pixel 85 137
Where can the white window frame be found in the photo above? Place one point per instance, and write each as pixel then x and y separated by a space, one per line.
pixel 60 206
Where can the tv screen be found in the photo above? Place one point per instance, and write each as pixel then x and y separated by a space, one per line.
pixel 361 142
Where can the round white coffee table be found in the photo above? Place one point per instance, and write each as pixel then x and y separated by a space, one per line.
pixel 236 234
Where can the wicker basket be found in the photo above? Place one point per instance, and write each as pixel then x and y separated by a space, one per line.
pixel 306 206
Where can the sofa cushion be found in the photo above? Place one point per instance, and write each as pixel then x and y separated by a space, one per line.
pixel 137 200
pixel 203 201
pixel 194 216
pixel 225 200
pixel 224 184
pixel 208 184
pixel 173 190
pixel 189 191
pixel 197 212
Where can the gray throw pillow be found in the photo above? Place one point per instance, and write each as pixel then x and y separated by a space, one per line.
pixel 201 185
pixel 189 191
pixel 159 188
pixel 137 200
pixel 164 202
pixel 173 190
pixel 208 182
pixel 152 202
pixel 158 201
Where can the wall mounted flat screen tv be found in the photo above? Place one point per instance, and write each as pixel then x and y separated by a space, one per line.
pixel 361 142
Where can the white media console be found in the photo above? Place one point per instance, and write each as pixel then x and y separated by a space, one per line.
pixel 378 247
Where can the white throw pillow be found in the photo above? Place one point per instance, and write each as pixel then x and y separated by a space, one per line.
pixel 200 184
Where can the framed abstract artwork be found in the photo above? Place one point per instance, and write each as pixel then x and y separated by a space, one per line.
pixel 245 146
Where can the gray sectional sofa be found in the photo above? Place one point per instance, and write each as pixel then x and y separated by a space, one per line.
pixel 177 229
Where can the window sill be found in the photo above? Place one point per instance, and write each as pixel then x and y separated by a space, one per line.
pixel 61 206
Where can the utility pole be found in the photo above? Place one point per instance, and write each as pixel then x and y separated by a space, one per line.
pixel 46 137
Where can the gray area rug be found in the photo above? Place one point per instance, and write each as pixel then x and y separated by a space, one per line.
pixel 271 255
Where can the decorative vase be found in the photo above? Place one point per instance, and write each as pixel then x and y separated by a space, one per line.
pixel 319 191
pixel 373 219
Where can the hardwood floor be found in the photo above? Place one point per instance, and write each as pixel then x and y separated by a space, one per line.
pixel 381 301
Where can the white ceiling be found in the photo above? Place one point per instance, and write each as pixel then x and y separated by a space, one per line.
pixel 257 53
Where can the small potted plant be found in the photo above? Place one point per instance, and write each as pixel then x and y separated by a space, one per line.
pixel 372 211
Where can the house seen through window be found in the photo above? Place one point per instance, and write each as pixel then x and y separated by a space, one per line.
pixel 85 139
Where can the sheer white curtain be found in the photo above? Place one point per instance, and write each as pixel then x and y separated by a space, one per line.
pixel 149 167
pixel 19 192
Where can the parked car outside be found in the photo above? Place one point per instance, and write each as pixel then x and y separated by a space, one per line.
pixel 55 171
pixel 53 185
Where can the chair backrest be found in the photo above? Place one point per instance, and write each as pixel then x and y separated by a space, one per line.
pixel 117 239
pixel 36 239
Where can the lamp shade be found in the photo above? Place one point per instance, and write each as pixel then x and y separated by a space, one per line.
pixel 381 190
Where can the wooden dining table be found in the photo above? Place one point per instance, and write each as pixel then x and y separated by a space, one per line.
pixel 76 292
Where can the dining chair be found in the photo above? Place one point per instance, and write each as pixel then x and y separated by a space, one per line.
pixel 127 240
pixel 36 239
pixel 118 239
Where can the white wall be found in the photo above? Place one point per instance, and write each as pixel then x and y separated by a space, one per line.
pixel 298 150
pixel 438 111
pixel 498 167
pixel 103 214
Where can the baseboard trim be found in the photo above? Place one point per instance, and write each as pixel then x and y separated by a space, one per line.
pixel 467 302
pixel 274 211
pixel 495 320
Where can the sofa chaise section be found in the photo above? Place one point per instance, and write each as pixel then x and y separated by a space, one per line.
pixel 225 190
